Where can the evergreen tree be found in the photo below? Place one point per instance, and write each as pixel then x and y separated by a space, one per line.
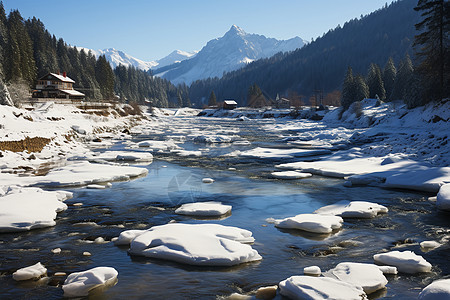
pixel 361 88
pixel 389 74
pixel 375 82
pixel 348 89
pixel 3 39
pixel 105 77
pixel 432 46
pixel 212 101
pixel 404 74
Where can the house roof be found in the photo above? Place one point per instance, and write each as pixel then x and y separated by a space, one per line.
pixel 230 102
pixel 58 77
pixel 72 92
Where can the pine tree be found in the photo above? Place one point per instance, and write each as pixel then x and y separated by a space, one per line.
pixel 348 89
pixel 212 101
pixel 3 39
pixel 389 74
pixel 105 77
pixel 375 82
pixel 404 74
pixel 361 88
pixel 432 46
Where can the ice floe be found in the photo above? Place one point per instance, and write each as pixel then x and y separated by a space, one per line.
pixel 158 145
pixel 443 197
pixel 429 245
pixel 307 287
pixel 405 261
pixel 126 156
pixel 29 208
pixel 367 276
pixel 312 271
pixel 127 236
pixel 203 209
pixel 437 290
pixel 196 244
pixel 207 180
pixel 311 222
pixel 32 272
pixel 290 175
pixel 79 284
pixel 353 209
pixel 274 153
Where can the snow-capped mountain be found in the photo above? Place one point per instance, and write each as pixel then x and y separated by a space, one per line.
pixel 116 57
pixel 230 52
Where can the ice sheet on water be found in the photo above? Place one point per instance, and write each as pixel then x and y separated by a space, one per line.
pixel 196 244
pixel 405 261
pixel 290 175
pixel 204 209
pixel 311 222
pixel 79 284
pixel 31 272
pixel 274 153
pixel 307 287
pixel 353 209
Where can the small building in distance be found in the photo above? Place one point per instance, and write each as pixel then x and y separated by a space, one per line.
pixel 229 104
pixel 56 86
pixel 282 102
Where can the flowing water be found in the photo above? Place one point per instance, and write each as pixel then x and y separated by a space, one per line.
pixel 173 180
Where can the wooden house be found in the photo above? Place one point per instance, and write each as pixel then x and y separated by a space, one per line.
pixel 229 104
pixel 56 86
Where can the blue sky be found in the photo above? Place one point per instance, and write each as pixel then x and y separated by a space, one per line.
pixel 150 29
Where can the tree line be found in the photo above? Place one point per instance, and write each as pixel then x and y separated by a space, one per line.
pixel 28 51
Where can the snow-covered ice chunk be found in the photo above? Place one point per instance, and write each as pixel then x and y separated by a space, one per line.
pixel 31 272
pixel 307 287
pixel 127 236
pixel 29 208
pixel 367 276
pixel 272 153
pixel 203 209
pixel 430 244
pixel 353 209
pixel 312 271
pixel 388 270
pixel 437 290
pixel 213 139
pixel 207 180
pixel 158 145
pixel 443 197
pixel 421 178
pixel 405 261
pixel 196 244
pixel 79 284
pixel 311 222
pixel 85 173
pixel 290 175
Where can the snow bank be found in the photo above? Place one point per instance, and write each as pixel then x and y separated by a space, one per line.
pixel 290 175
pixel 311 222
pixel 406 261
pixel 437 290
pixel 203 209
pixel 353 209
pixel 307 287
pixel 30 208
pixel 79 284
pixel 443 197
pixel 367 276
pixel 31 272
pixel 196 244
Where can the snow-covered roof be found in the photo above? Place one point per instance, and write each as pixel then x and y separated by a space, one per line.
pixel 230 102
pixel 72 92
pixel 60 77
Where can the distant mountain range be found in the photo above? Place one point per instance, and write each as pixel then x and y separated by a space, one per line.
pixel 230 52
pixel 117 57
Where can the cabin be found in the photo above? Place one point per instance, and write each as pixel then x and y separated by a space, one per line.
pixel 282 102
pixel 229 104
pixel 56 86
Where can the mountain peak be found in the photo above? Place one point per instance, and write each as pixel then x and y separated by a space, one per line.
pixel 236 30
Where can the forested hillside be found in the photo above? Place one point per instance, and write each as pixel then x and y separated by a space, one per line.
pixel 28 51
pixel 322 64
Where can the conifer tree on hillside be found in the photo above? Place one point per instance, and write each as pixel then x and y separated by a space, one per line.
pixel 348 89
pixel 3 39
pixel 105 77
pixel 405 71
pixel 212 101
pixel 375 82
pixel 20 64
pixel 361 88
pixel 432 47
pixel 389 74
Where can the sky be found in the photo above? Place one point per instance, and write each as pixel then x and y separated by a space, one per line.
pixel 151 29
